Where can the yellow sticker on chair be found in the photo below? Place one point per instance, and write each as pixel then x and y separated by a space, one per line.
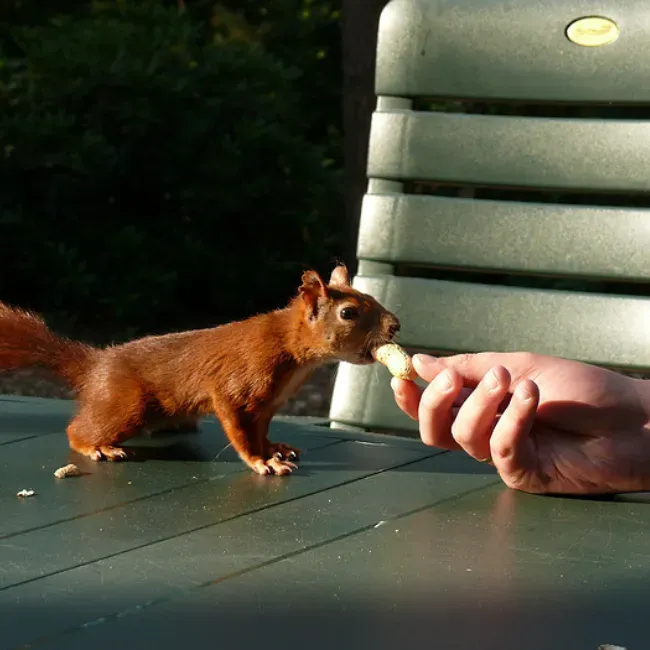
pixel 592 31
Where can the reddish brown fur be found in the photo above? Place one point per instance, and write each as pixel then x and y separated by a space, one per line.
pixel 242 371
pixel 25 340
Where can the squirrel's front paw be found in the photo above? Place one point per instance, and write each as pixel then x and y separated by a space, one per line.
pixel 273 466
pixel 281 467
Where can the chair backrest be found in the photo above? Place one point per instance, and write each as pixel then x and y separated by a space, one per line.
pixel 509 185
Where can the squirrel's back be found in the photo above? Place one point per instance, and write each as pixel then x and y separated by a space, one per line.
pixel 241 357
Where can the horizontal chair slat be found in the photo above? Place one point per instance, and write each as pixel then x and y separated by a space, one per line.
pixel 453 317
pixel 362 397
pixel 602 155
pixel 458 316
pixel 569 240
pixel 505 49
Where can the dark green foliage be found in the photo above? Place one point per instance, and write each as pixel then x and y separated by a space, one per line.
pixel 155 177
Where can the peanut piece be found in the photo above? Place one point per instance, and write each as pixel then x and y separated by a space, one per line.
pixel 68 470
pixel 396 360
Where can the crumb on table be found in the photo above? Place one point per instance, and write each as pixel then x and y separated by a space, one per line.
pixel 68 470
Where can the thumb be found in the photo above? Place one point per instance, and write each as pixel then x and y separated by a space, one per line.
pixel 427 367
pixel 473 367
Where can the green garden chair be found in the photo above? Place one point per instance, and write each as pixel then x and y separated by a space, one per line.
pixel 508 193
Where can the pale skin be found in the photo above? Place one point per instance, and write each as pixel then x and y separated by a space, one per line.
pixel 548 425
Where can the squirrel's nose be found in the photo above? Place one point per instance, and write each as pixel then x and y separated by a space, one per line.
pixel 394 327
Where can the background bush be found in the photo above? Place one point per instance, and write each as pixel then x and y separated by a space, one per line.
pixel 159 168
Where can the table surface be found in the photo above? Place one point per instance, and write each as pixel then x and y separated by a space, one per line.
pixel 375 542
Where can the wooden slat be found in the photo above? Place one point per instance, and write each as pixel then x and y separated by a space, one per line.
pixel 508 49
pixel 174 464
pixel 461 317
pixel 105 589
pixel 604 155
pixel 16 423
pixel 362 397
pixel 489 569
pixel 452 316
pixel 150 518
pixel 508 236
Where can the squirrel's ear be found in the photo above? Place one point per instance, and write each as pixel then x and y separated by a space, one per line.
pixel 312 290
pixel 340 276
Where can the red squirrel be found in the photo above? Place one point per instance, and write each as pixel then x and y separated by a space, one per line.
pixel 242 371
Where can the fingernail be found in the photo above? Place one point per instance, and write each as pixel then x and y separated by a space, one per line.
pixel 443 382
pixel 424 360
pixel 491 380
pixel 395 384
pixel 523 393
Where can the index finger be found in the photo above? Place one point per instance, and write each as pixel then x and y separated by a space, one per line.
pixel 472 367
pixel 408 395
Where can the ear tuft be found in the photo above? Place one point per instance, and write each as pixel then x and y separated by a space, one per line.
pixel 312 282
pixel 312 290
pixel 340 276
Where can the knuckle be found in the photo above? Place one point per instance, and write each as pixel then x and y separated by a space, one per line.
pixel 501 450
pixel 527 362
pixel 462 435
pixel 527 358
pixel 513 481
pixel 462 360
pixel 428 401
pixel 431 399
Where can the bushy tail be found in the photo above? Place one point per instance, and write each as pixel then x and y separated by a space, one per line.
pixel 25 340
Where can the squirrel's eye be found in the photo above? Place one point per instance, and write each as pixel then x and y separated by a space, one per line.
pixel 349 313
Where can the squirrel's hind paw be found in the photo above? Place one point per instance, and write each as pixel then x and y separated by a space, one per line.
pixel 105 453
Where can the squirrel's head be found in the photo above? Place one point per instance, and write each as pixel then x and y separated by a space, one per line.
pixel 345 324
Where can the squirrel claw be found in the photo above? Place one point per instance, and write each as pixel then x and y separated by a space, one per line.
pixel 281 467
pixel 260 467
pixel 283 452
pixel 108 453
pixel 273 465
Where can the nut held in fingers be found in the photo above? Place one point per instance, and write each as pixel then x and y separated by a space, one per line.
pixel 396 360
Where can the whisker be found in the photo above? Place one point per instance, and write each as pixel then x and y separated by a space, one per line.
pixel 221 452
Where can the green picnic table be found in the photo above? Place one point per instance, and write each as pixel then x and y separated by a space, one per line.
pixel 507 209
pixel 375 542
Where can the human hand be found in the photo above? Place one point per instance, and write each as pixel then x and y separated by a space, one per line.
pixel 549 425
